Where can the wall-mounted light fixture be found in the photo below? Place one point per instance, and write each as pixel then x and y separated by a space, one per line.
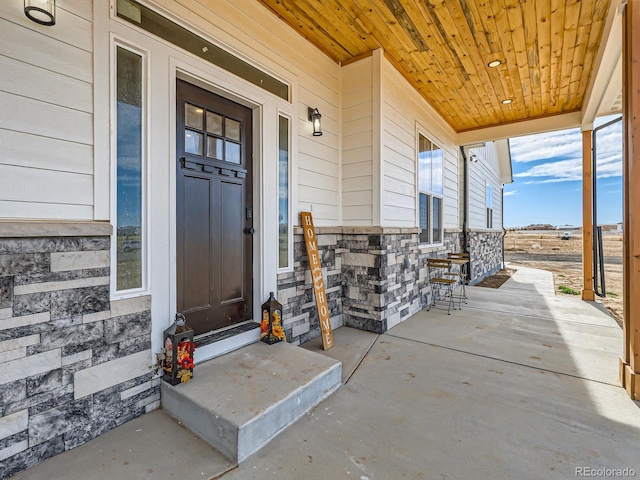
pixel 314 117
pixel 473 158
pixel 41 11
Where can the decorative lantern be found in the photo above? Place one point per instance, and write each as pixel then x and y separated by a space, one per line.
pixel 178 352
pixel 271 324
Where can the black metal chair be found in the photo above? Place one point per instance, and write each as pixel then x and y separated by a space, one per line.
pixel 462 272
pixel 435 267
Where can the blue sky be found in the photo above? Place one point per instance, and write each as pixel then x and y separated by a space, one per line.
pixel 547 174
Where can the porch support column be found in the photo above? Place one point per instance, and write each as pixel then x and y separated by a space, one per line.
pixel 587 216
pixel 630 361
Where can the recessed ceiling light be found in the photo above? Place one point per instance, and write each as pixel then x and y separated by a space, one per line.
pixel 494 64
pixel 507 101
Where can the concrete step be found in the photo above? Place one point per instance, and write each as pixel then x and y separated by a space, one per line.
pixel 241 400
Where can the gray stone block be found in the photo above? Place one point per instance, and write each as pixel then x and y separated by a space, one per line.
pixel 96 243
pixel 128 326
pixel 12 393
pixel 44 382
pixel 23 263
pixel 39 245
pixel 76 335
pixel 31 303
pixel 65 303
pixel 105 353
pixel 6 292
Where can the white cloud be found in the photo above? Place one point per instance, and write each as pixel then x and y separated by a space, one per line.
pixel 509 193
pixel 544 146
pixel 563 150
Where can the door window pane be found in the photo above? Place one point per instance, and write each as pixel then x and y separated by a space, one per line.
pixel 192 142
pixel 214 123
pixel 232 129
pixel 193 116
pixel 129 170
pixel 215 148
pixel 232 152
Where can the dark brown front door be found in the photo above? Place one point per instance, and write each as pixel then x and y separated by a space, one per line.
pixel 214 209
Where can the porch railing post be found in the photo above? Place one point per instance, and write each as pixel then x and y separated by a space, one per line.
pixel 630 361
pixel 587 216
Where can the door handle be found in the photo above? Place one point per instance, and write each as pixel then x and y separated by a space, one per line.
pixel 250 230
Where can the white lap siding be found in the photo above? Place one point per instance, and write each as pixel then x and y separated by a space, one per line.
pixel 482 173
pixel 358 166
pixel 46 113
pixel 402 109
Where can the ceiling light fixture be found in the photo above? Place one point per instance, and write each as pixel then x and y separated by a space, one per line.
pixel 507 101
pixel 494 63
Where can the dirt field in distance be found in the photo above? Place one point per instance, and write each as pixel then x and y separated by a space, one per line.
pixel 563 258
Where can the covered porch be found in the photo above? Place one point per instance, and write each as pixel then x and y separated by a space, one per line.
pixel 519 383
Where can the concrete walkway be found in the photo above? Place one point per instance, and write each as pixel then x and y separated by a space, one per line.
pixel 518 384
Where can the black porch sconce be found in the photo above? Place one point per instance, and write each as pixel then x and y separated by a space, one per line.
pixel 473 158
pixel 41 11
pixel 314 117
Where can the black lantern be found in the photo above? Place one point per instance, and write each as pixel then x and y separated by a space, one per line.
pixel 178 352
pixel 271 324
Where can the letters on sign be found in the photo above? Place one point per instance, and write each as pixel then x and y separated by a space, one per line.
pixel 317 279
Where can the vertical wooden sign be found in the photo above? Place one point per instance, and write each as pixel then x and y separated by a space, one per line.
pixel 317 279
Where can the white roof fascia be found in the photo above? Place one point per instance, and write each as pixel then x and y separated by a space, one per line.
pixel 606 79
pixel 504 161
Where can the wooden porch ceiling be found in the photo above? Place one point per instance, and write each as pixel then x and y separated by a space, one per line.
pixel 443 47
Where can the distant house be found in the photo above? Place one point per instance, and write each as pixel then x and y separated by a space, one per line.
pixel 541 226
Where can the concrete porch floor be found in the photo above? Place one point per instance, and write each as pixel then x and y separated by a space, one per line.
pixel 518 384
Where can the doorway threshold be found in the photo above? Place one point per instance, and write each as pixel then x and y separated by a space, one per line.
pixel 218 342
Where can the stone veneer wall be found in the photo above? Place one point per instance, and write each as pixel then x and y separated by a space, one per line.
pixel 368 285
pixel 295 290
pixel 485 251
pixel 73 365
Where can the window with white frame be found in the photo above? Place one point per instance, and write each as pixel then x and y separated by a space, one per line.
pixel 489 205
pixel 430 190
pixel 284 225
pixel 129 108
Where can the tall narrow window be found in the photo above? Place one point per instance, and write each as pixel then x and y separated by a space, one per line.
pixel 129 233
pixel 489 203
pixel 283 192
pixel 430 183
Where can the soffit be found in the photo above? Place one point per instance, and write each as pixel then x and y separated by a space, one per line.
pixel 548 50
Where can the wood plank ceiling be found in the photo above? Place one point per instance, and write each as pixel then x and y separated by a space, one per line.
pixel 443 48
